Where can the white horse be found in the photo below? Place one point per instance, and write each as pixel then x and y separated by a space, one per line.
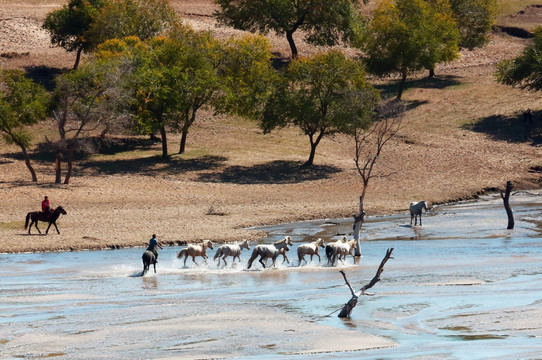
pixel 196 250
pixel 343 249
pixel 331 249
pixel 416 210
pixel 310 249
pixel 233 250
pixel 270 251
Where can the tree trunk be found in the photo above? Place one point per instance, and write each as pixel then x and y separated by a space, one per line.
pixel 77 58
pixel 27 162
pixel 70 167
pixel 293 48
pixel 431 72
pixel 506 198
pixel 164 142
pixel 182 147
pixel 349 306
pixel 359 219
pixel 401 85
pixel 58 169
pixel 310 161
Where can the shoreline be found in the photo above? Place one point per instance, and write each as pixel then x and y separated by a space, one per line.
pixel 252 232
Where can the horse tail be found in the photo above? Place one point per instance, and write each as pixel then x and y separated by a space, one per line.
pixel 218 253
pixel 27 220
pixel 182 253
pixel 329 253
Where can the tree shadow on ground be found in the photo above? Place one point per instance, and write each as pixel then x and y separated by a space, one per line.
pixel 274 172
pixel 152 166
pixel 44 75
pixel 510 128
pixel 437 82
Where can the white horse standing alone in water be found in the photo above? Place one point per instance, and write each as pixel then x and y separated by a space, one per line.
pixel 310 249
pixel 270 251
pixel 416 210
pixel 233 250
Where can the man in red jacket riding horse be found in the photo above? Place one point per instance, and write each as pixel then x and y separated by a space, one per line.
pixel 46 207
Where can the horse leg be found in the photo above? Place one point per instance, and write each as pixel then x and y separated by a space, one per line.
pixel 420 219
pixel 300 258
pixel 224 259
pixel 194 260
pixel 319 260
pixel 36 225
pixel 47 231
pixel 154 264
pixel 56 227
pixel 411 218
pixel 185 257
pixel 261 262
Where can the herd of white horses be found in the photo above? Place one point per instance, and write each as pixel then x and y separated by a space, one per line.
pixel 335 251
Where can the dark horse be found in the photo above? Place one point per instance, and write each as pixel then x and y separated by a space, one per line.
pixel 36 216
pixel 148 260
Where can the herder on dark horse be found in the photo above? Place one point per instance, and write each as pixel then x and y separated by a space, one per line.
pixel 46 215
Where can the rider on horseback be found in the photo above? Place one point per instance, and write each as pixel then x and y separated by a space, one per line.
pixel 46 207
pixel 153 245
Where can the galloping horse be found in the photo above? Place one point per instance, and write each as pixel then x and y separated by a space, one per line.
pixel 233 250
pixel 196 250
pixel 339 249
pixel 310 249
pixel 270 251
pixel 331 249
pixel 148 260
pixel 416 210
pixel 36 216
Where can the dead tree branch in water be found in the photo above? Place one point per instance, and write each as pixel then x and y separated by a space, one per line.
pixel 506 197
pixel 349 306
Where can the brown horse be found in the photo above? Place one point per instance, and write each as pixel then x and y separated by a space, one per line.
pixel 196 250
pixel 36 216
pixel 148 259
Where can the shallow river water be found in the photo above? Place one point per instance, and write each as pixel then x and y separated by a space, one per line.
pixel 459 287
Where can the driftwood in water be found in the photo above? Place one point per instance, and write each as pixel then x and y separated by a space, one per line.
pixel 349 306
pixel 506 197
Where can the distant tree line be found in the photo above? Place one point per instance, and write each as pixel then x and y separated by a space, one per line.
pixel 148 73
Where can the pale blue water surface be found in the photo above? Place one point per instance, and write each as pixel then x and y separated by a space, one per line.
pixel 459 287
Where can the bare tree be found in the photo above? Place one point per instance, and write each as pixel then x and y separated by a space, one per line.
pixel 347 308
pixel 368 148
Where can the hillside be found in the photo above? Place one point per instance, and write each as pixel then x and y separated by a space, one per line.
pixel 462 135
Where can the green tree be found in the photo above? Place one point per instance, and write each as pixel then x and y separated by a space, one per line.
pixel 83 24
pixel 174 77
pixel 409 35
pixel 68 26
pixel 322 95
pixel 525 71
pixel 324 22
pixel 122 18
pixel 475 19
pixel 22 103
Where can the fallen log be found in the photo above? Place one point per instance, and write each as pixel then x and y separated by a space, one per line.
pixel 349 306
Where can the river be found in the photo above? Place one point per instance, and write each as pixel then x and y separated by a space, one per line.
pixel 459 287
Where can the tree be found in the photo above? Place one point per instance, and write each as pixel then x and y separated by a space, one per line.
pixel 525 71
pixel 475 19
pixel 321 95
pixel 324 22
pixel 506 201
pixel 68 26
pixel 407 36
pixel 369 143
pixel 173 77
pixel 82 104
pixel 144 19
pixel 22 103
pixel 83 24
